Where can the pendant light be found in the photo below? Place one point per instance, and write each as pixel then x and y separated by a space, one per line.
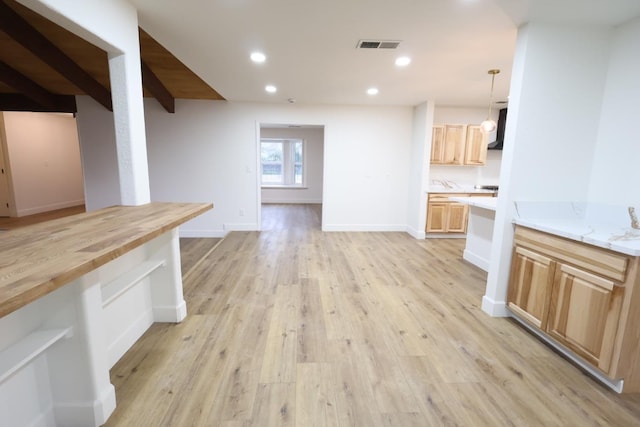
pixel 490 125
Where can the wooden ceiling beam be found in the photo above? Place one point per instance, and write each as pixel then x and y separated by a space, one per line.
pixel 19 102
pixel 22 32
pixel 153 84
pixel 26 86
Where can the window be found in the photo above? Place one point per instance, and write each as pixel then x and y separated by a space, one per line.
pixel 282 162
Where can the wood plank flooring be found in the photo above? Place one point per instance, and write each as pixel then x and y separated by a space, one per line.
pixel 295 327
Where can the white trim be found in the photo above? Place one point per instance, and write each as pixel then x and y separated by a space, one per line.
pixel 170 314
pixel 615 385
pixel 365 227
pixel 494 308
pixel 476 260
pixel 202 233
pixel 94 413
pixel 291 201
pixel 49 208
pixel 123 342
pixel 445 236
pixel 240 227
pixel 416 234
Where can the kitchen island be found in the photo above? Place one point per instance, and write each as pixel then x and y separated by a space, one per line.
pixel 482 212
pixel 75 294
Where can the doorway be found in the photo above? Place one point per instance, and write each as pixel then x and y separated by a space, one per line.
pixel 291 165
pixel 4 181
pixel 41 163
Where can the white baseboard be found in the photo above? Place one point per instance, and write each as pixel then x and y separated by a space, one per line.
pixel 416 234
pixel 365 227
pixel 94 413
pixel 169 314
pixel 241 227
pixel 214 234
pixel 445 236
pixel 128 337
pixel 46 419
pixel 48 208
pixel 476 260
pixel 495 308
pixel 291 201
pixel 616 385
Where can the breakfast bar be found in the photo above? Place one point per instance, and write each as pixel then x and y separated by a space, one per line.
pixel 482 211
pixel 75 295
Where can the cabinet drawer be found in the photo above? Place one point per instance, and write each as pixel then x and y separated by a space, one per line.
pixel 604 262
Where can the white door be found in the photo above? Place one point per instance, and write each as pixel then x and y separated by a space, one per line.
pixel 4 185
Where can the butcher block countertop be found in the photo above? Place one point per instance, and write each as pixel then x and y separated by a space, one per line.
pixel 38 259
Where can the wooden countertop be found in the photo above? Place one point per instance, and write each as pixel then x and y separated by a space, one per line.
pixel 38 259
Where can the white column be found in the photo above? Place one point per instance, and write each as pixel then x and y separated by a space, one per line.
pixel 128 112
pixel 166 282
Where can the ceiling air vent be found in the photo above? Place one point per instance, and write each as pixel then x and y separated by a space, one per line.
pixel 377 44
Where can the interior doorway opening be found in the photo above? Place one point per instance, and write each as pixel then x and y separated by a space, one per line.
pixel 290 165
pixel 41 163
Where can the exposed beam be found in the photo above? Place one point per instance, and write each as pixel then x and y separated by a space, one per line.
pixel 157 89
pixel 19 102
pixel 21 31
pixel 26 86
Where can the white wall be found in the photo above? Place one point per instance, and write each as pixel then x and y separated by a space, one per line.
pixel 616 175
pixel 113 26
pixel 207 152
pixel 99 157
pixel 44 159
pixel 489 174
pixel 419 163
pixel 556 95
pixel 314 158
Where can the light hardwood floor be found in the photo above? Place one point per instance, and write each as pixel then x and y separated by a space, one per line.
pixel 295 327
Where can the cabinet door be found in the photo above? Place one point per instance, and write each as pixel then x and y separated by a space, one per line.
pixel 584 314
pixel 457 218
pixel 475 146
pixel 530 286
pixel 454 136
pixel 436 218
pixel 437 144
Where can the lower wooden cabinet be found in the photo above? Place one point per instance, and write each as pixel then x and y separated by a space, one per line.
pixel 530 289
pixel 446 216
pixel 449 217
pixel 584 314
pixel 581 296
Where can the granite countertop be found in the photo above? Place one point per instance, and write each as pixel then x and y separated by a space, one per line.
pixel 605 226
pixel 488 203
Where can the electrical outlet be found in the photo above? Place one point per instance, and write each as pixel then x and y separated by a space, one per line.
pixel 241 212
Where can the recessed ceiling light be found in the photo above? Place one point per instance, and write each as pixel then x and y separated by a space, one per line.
pixel 270 88
pixel 403 61
pixel 372 91
pixel 258 57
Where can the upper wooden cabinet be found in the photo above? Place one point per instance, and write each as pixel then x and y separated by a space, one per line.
pixel 475 152
pixel 458 145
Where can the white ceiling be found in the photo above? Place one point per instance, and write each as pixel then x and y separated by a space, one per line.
pixel 311 45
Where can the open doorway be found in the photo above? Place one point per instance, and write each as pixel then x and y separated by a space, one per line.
pixel 291 167
pixel 40 161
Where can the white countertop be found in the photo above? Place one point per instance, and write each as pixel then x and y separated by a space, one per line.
pixel 600 225
pixel 488 203
pixel 458 189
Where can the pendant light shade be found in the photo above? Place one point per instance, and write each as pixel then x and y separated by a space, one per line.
pixel 490 125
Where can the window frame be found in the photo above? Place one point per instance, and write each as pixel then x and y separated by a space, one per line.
pixel 288 163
